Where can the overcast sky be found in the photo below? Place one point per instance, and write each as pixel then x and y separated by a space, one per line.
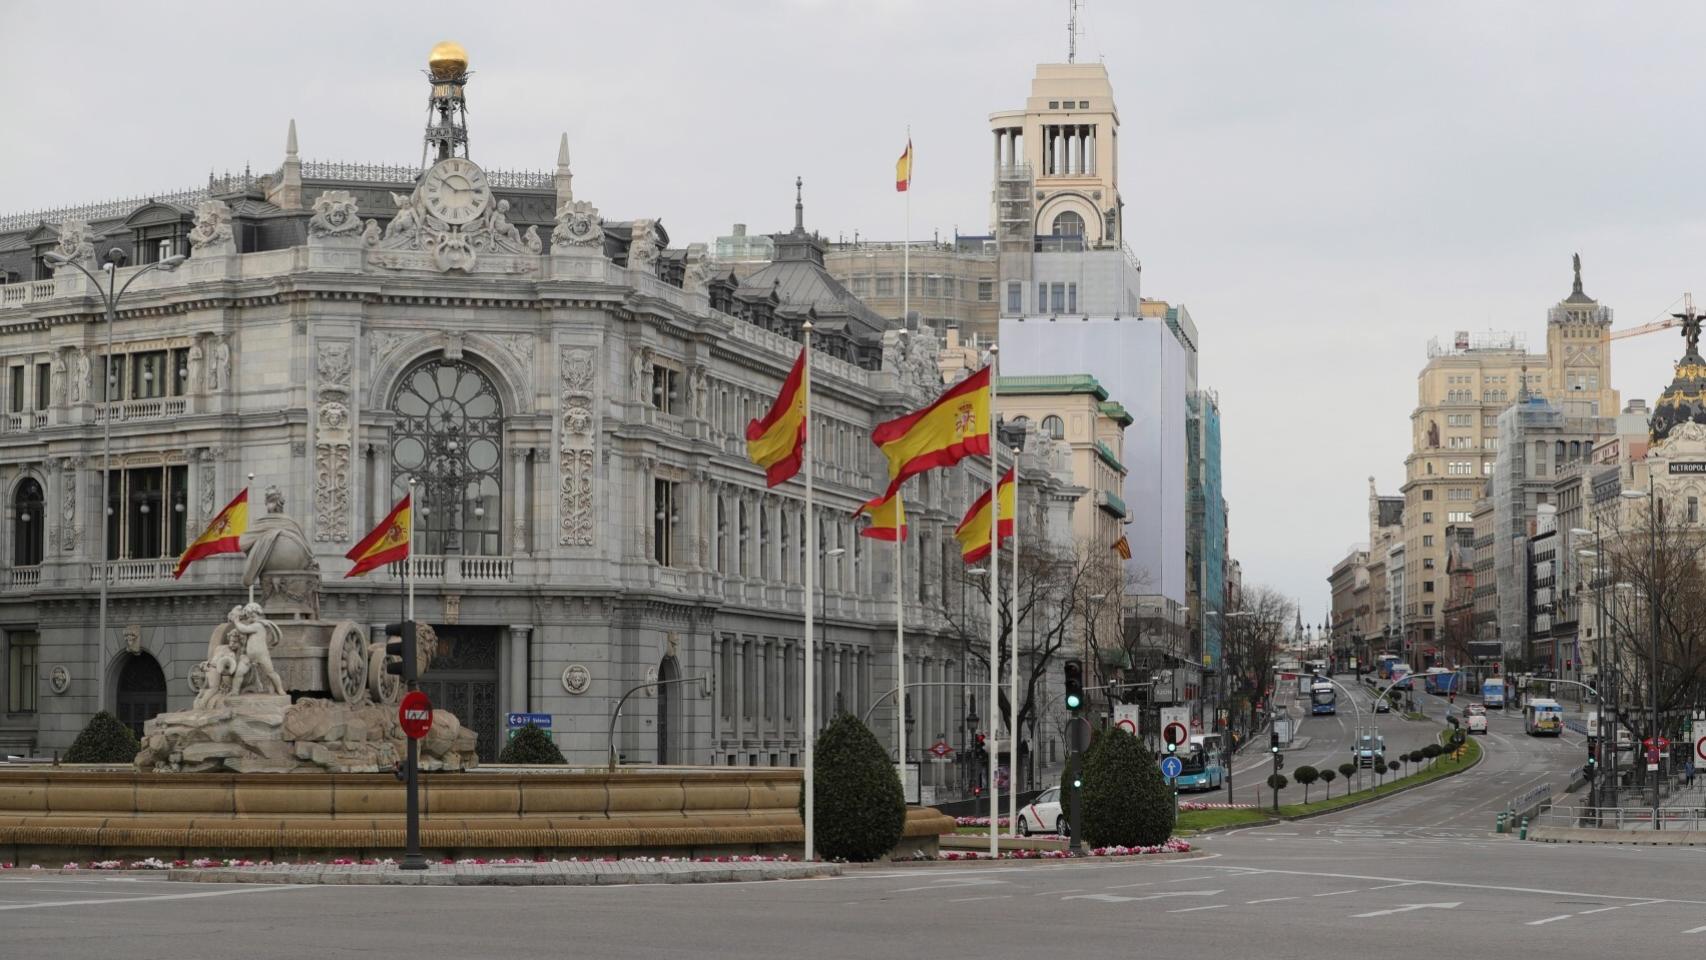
pixel 1325 185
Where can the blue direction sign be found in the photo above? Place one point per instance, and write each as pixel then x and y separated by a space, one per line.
pixel 519 720
pixel 1171 767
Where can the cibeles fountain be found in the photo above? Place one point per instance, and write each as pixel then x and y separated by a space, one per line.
pixel 283 691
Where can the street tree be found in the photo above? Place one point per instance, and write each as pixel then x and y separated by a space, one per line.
pixel 1328 775
pixel 1306 775
pixel 1347 770
pixel 1255 623
pixel 1431 753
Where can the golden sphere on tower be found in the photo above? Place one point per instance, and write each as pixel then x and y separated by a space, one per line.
pixel 447 61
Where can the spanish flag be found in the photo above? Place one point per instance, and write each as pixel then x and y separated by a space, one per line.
pixel 221 534
pixel 1122 546
pixel 386 543
pixel 956 426
pixel 903 168
pixel 973 531
pixel 888 518
pixel 778 442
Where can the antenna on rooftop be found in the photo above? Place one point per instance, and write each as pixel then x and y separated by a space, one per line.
pixel 1072 30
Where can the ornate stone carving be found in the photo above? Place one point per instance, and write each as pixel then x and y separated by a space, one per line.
pixel 578 225
pixel 275 546
pixel 643 246
pixel 68 533
pixel 331 492
pixel 578 446
pixel 133 639
pixel 417 239
pixel 332 441
pixel 335 216
pixel 531 240
pixel 639 376
pixel 370 234
pixel 209 480
pixel 699 389
pixel 77 242
pixel 698 270
pixel 384 343
pixel 519 346
pixel 211 235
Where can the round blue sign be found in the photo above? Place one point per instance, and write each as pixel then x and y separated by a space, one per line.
pixel 1170 767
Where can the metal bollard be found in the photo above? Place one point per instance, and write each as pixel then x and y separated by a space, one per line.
pixel 1499 827
pixel 1524 834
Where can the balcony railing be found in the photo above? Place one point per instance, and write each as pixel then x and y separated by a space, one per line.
pixel 128 411
pixel 133 571
pixel 19 578
pixel 464 569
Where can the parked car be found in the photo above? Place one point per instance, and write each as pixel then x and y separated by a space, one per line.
pixel 1043 815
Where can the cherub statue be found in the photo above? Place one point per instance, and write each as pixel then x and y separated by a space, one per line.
pixel 254 634
pixel 225 662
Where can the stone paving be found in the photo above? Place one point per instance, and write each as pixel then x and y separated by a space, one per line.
pixel 554 873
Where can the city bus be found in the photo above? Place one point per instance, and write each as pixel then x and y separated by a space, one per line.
pixel 1543 718
pixel 1493 693
pixel 1384 669
pixel 1203 767
pixel 1440 681
pixel 1323 699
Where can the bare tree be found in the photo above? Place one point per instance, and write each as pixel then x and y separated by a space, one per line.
pixel 1055 590
pixel 1254 626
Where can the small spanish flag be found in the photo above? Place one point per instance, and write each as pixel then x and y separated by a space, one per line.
pixel 778 442
pixel 888 518
pixel 973 531
pixel 903 168
pixel 386 543
pixel 940 435
pixel 221 535
pixel 1123 547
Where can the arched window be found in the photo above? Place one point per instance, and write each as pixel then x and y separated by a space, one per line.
pixel 722 536
pixel 28 524
pixel 449 437
pixel 1068 224
pixel 1054 428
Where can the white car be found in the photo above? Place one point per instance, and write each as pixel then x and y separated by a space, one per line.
pixel 1043 815
pixel 1475 718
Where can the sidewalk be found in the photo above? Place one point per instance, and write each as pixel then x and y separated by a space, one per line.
pixel 553 873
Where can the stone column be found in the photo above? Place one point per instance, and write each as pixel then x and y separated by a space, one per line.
pixel 694 524
pixel 738 711
pixel 1093 164
pixel 520 522
pixel 999 136
pixel 520 651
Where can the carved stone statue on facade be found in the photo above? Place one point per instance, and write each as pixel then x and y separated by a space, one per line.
pixel 335 216
pixel 77 242
pixel 640 375
pixel 643 246
pixel 404 223
pixel 211 235
pixel 531 240
pixel 578 225
pixel 371 234
pixel 80 379
pixel 220 370
pixel 501 228
pixel 1433 433
pixel 699 390
pixel 58 376
pixel 697 272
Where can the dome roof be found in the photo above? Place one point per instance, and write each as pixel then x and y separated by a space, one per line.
pixel 447 61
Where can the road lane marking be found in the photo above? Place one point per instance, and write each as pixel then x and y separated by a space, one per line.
pixel 1478 886
pixel 1388 886
pixel 1620 906
pixel 1270 900
pixel 1123 886
pixel 1332 894
pixel 1212 906
pixel 1051 893
pixel 949 883
pixel 1101 898
pixel 1407 908
pixel 246 888
pixel 1561 916
pixel 1696 930
pixel 1003 896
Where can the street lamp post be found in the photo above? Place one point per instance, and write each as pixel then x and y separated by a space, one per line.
pixel 1652 621
pixel 110 296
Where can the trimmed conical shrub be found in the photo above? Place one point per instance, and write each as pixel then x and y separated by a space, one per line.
pixel 1126 800
pixel 858 805
pixel 531 745
pixel 104 740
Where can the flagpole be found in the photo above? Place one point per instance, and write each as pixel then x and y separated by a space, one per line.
pixel 808 731
pixel 1013 668
pixel 409 570
pixel 899 656
pixel 994 617
pixel 251 488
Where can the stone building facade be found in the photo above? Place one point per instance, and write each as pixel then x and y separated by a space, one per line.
pixel 569 394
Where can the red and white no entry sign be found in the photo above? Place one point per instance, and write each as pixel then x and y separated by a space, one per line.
pixel 414 714
pixel 1700 748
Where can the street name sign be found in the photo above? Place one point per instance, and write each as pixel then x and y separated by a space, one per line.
pixel 518 720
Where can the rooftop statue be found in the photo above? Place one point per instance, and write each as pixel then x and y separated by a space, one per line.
pixel 275 543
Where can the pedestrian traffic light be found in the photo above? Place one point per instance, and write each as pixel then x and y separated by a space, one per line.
pixel 1074 685
pixel 1279 761
pixel 400 650
pixel 1172 747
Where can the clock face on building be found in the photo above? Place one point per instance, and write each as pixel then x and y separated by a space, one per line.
pixel 456 191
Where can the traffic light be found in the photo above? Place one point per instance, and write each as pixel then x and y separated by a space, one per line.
pixel 400 650
pixel 981 751
pixel 1172 747
pixel 1590 769
pixel 1074 685
pixel 1273 741
pixel 1279 760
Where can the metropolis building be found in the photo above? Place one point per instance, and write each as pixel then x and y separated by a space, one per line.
pixel 569 394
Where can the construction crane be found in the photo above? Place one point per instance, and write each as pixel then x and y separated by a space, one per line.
pixel 1665 324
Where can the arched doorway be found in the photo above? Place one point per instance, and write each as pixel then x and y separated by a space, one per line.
pixel 28 524
pixel 449 437
pixel 141 690
pixel 669 711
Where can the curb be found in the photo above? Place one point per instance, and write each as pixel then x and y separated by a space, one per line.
pixel 1031 861
pixel 518 876
pixel 1691 838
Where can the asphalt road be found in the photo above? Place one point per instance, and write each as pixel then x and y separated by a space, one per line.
pixel 1417 875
